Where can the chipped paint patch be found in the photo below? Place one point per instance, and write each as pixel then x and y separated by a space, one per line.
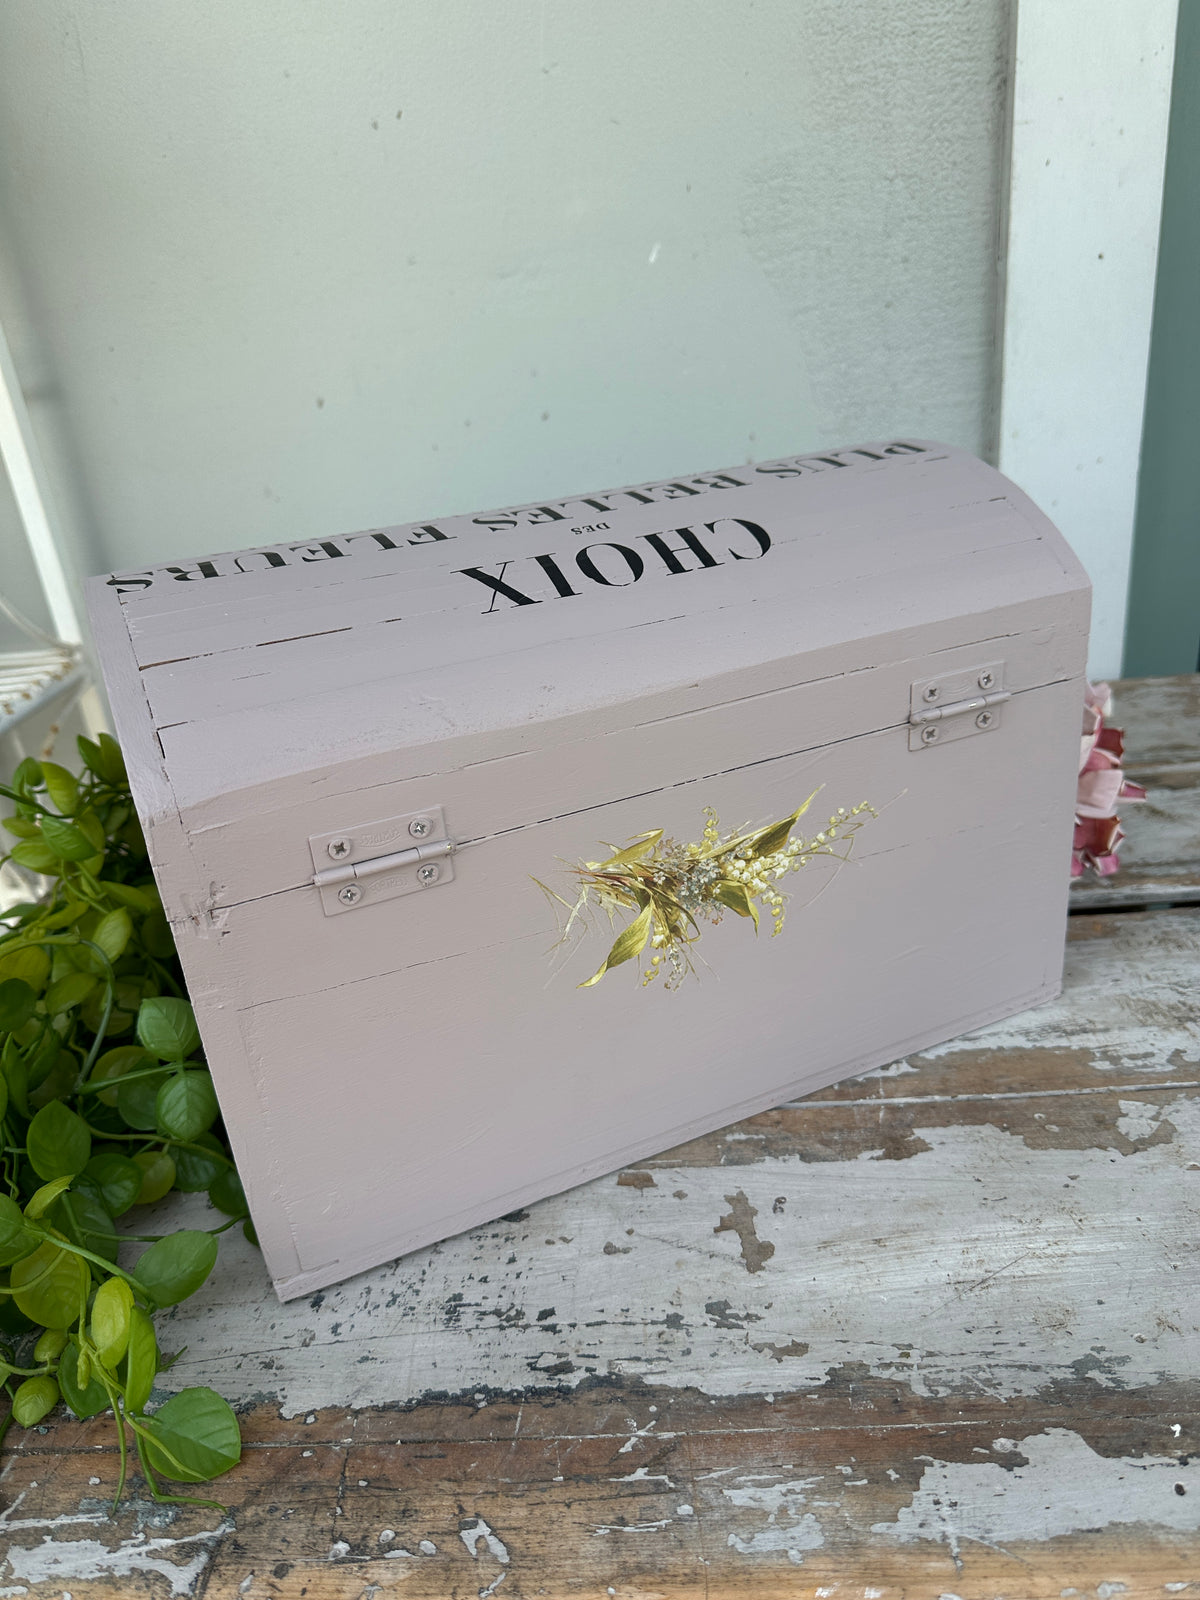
pixel 787 1526
pixel 980 1261
pixel 1064 1487
pixel 72 1561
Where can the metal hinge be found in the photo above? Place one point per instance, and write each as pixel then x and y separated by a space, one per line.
pixel 352 869
pixel 956 705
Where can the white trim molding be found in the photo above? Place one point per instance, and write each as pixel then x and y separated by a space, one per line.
pixel 1091 104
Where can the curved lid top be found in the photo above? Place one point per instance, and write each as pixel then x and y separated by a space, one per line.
pixel 247 667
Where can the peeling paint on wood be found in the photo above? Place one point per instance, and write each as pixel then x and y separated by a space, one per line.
pixel 965 1363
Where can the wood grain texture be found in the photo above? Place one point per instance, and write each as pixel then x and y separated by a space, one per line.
pixel 966 1364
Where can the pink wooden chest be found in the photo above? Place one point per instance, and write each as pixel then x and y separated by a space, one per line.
pixel 399 1052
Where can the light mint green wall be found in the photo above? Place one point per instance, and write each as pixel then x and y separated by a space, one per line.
pixel 286 268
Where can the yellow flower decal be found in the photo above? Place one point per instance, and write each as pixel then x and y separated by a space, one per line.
pixel 672 888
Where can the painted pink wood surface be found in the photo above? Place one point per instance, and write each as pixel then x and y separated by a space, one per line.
pixel 475 1080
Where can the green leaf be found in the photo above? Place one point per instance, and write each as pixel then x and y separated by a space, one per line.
pixel 137 1101
pixel 42 1199
pixel 22 827
pixel 158 1174
pixel 50 1285
pixel 65 840
pixel 630 942
pixel 113 762
pixel 50 1346
pixel 186 1105
pixel 16 1075
pixel 17 1001
pixel 85 1400
pixel 57 1142
pixel 114 1064
pixel 141 1360
pixel 126 894
pixel 34 1399
pixel 71 990
pixel 90 754
pixel 195 1437
pixel 110 1323
pixel 15 1239
pixel 157 936
pixel 176 1266
pixel 194 1171
pixel 167 1028
pixel 92 828
pixel 31 964
pixel 28 775
pixel 227 1194
pixel 56 1079
pixel 85 1221
pixel 737 897
pixel 61 787
pixel 116 1180
pixel 36 855
pixel 113 932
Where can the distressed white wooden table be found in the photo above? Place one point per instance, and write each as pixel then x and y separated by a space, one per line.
pixel 931 1333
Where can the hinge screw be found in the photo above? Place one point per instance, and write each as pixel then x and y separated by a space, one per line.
pixel 929 734
pixel 338 848
pixel 419 827
pixel 930 692
pixel 986 680
pixel 429 873
pixel 984 719
pixel 350 895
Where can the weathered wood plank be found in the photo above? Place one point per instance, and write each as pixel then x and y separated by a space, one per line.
pixel 932 1332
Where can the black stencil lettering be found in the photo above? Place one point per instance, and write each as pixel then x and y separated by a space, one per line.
pixel 719 480
pixel 424 535
pixel 759 534
pixel 271 558
pixel 498 586
pixel 204 569
pixel 552 570
pixel 658 542
pixel 140 580
pixel 311 551
pixel 590 570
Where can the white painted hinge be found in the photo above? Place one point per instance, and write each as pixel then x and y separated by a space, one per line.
pixel 353 867
pixel 956 705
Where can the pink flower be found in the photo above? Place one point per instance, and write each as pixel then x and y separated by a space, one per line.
pixel 1101 785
